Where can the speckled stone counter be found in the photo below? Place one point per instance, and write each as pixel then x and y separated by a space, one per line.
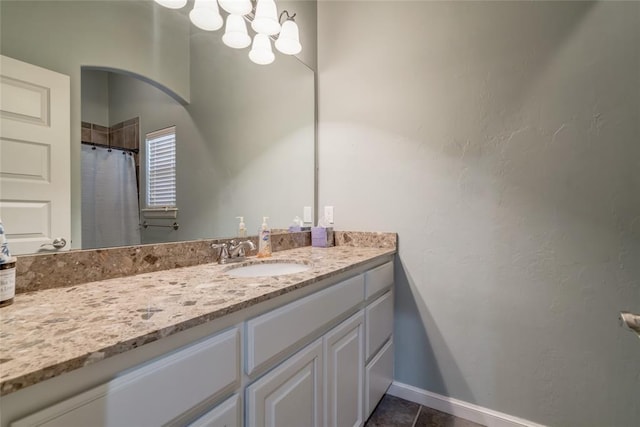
pixel 53 331
pixel 45 271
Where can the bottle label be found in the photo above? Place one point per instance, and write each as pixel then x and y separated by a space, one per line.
pixel 7 284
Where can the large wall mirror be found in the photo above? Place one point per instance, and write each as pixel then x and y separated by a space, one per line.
pixel 244 133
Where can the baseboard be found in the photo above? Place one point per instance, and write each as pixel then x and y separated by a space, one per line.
pixel 456 407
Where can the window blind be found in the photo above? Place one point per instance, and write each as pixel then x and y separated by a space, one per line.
pixel 161 168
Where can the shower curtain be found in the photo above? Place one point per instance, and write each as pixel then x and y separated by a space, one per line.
pixel 110 214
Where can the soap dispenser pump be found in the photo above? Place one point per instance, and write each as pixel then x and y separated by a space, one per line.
pixel 264 239
pixel 242 228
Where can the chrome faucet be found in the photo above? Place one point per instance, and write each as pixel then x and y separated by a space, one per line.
pixel 237 249
pixel 232 251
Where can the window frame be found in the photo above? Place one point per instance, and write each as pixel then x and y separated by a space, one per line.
pixel 160 210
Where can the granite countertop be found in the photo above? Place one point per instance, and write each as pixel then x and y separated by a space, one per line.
pixel 49 332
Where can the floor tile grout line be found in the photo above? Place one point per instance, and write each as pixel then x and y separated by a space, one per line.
pixel 415 420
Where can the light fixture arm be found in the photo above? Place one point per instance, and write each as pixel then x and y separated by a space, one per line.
pixel 289 17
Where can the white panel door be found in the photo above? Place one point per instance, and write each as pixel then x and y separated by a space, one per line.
pixel 291 394
pixel 344 370
pixel 35 202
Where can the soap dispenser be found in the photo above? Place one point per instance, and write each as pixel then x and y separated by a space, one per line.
pixel 264 239
pixel 242 228
pixel 7 271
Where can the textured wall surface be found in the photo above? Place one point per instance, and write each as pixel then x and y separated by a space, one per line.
pixel 502 142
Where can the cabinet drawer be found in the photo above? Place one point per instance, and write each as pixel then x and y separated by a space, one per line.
pixel 378 323
pixel 378 377
pixel 378 279
pixel 226 414
pixel 279 331
pixel 152 394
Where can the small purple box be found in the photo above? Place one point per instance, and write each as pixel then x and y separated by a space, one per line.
pixel 322 237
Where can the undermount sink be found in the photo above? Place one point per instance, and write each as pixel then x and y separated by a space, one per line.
pixel 267 268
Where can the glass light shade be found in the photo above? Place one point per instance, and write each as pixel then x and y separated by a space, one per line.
pixel 266 19
pixel 289 41
pixel 236 7
pixel 235 33
pixel 172 4
pixel 206 15
pixel 261 52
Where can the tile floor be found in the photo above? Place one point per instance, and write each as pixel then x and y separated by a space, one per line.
pixel 395 412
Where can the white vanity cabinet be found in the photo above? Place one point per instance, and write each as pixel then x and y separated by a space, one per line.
pixel 325 359
pixel 294 392
pixel 346 367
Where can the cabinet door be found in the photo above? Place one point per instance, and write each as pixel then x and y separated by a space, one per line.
pixel 378 376
pixel 291 394
pixel 344 373
pixel 226 414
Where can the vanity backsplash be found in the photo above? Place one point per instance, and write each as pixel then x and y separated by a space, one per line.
pixel 366 239
pixel 46 271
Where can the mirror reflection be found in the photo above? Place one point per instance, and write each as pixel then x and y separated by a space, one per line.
pixel 244 133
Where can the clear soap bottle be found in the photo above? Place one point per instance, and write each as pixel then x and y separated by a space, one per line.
pixel 264 239
pixel 242 228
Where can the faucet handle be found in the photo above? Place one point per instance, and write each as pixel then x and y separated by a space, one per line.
pixel 222 251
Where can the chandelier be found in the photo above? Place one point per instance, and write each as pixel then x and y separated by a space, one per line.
pixel 264 20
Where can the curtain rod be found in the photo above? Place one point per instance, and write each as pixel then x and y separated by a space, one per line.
pixel 94 144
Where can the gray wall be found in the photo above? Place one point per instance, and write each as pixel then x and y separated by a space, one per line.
pixel 501 141
pixel 95 98
pixel 65 35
